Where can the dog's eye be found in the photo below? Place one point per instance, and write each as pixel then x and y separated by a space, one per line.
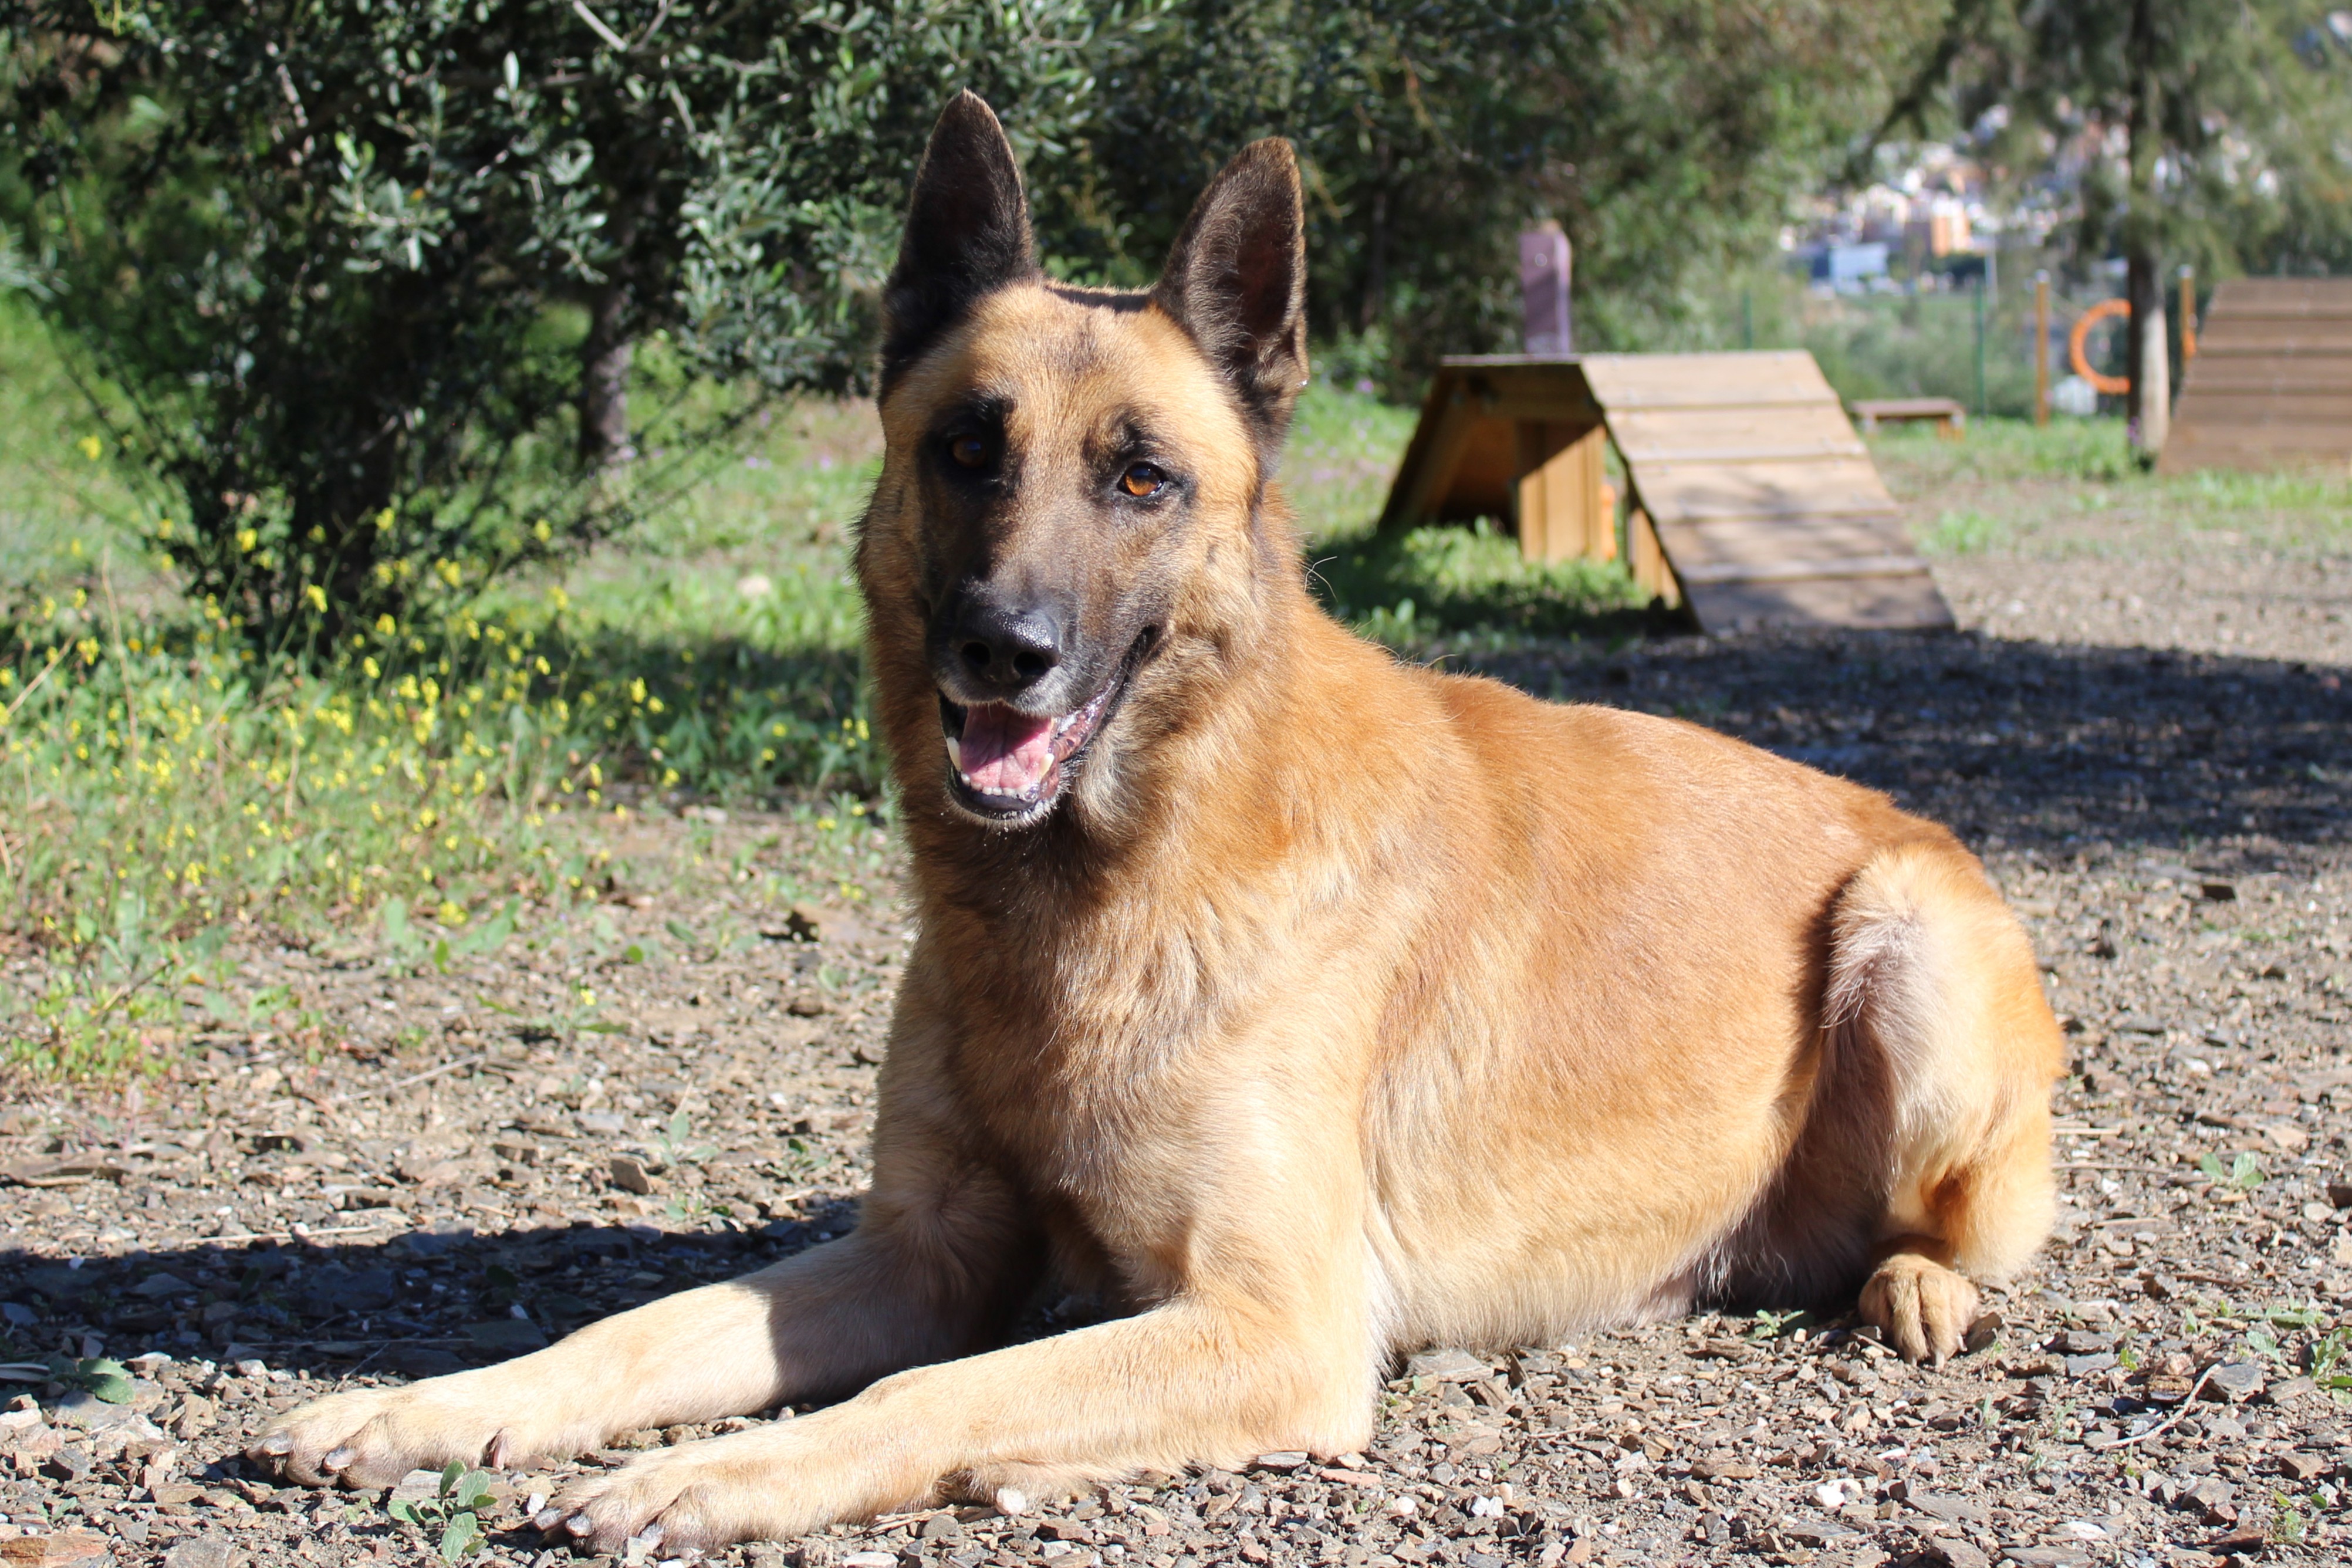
pixel 969 451
pixel 1143 479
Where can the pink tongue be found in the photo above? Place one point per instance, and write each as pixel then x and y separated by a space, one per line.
pixel 1006 753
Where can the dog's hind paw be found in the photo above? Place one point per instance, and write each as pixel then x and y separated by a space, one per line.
pixel 1923 1307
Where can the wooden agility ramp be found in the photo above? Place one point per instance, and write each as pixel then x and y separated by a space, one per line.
pixel 2270 384
pixel 1749 497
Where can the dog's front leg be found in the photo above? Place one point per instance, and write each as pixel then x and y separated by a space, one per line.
pixel 1197 1380
pixel 937 1262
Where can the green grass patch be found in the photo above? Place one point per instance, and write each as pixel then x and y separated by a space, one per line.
pixel 2074 488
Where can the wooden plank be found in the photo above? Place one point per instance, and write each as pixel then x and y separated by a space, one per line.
pixel 2294 406
pixel 1707 381
pixel 2278 437
pixel 1893 603
pixel 1673 434
pixel 1483 482
pixel 1430 456
pixel 1561 512
pixel 1902 565
pixel 1827 486
pixel 1653 573
pixel 2274 334
pixel 1752 542
pixel 2282 296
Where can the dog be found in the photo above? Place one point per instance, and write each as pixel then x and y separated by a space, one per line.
pixel 1304 1008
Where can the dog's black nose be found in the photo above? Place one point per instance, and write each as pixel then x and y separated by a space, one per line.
pixel 1007 647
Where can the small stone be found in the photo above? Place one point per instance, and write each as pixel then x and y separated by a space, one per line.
pixel 2085 1365
pixel 1951 1552
pixel 58 1548
pixel 205 1552
pixel 1724 1470
pixel 156 1285
pixel 1949 1509
pixel 2084 1341
pixel 2287 1138
pixel 1447 1365
pixel 2219 892
pixel 1284 1461
pixel 2340 1194
pixel 416 1486
pixel 1984 1333
pixel 942 1527
pixel 629 1175
pixel 71 1462
pixel 870 1560
pixel 2236 1381
pixel 2303 1466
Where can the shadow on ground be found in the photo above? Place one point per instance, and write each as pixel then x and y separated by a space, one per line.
pixel 2015 744
pixel 423 1303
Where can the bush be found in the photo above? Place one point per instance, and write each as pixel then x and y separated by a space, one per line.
pixel 360 285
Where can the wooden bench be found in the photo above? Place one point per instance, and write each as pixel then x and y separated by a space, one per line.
pixel 1946 414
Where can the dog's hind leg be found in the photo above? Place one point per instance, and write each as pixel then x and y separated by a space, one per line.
pixel 1931 973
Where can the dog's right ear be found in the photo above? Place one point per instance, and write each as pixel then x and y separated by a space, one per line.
pixel 967 231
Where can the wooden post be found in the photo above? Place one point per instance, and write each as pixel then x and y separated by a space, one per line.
pixel 1544 262
pixel 2187 316
pixel 2042 348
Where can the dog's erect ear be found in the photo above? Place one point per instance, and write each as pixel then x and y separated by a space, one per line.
pixel 967 231
pixel 1237 279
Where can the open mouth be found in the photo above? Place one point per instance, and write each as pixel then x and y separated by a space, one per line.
pixel 1009 766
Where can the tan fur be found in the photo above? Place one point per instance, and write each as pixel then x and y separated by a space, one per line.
pixel 1340 1008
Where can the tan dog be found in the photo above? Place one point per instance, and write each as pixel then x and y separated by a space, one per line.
pixel 1311 1007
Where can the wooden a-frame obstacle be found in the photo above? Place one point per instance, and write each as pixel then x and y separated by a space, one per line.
pixel 2271 384
pixel 1750 497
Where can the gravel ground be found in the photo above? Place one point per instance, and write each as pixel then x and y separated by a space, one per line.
pixel 455 1167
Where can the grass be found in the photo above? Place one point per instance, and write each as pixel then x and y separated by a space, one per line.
pixel 2073 488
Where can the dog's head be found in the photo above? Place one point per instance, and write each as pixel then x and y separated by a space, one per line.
pixel 1071 524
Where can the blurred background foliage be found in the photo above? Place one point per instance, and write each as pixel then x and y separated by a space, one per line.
pixel 383 298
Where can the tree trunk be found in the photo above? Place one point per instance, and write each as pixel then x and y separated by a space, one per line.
pixel 2151 369
pixel 2150 403
pixel 604 381
pixel 1376 249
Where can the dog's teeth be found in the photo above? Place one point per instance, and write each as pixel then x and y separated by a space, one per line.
pixel 955 755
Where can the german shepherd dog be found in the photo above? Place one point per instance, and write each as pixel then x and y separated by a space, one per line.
pixel 1306 1007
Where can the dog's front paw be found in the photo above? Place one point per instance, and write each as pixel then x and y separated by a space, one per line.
pixel 373 1436
pixel 769 1483
pixel 1921 1305
pixel 679 1501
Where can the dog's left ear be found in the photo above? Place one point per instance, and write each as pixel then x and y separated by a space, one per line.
pixel 1237 280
